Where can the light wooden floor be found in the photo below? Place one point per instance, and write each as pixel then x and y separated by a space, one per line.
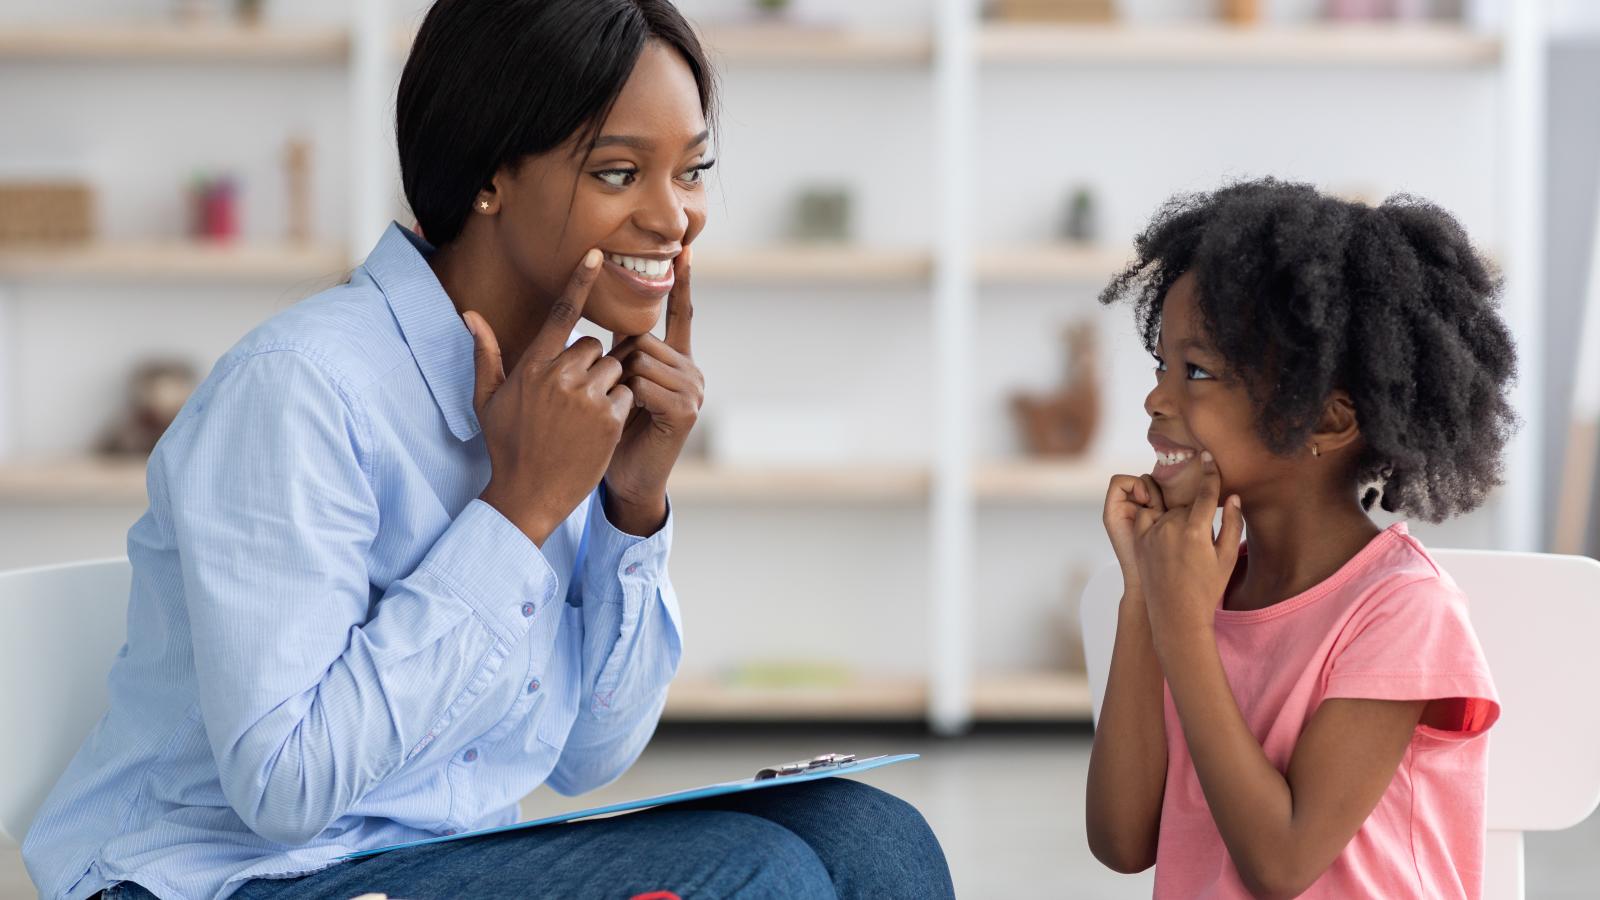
pixel 1007 807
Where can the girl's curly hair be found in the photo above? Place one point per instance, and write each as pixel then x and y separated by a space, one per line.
pixel 1302 293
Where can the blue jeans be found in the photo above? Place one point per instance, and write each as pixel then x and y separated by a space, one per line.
pixel 823 839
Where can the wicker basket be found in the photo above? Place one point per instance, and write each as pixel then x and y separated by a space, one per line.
pixel 45 212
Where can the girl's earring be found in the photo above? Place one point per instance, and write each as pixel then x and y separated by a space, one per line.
pixel 1315 450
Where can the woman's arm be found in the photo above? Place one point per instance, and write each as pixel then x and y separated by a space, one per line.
pixel 1284 830
pixel 632 643
pixel 1128 765
pixel 311 696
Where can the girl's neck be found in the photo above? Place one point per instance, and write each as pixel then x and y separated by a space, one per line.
pixel 1295 545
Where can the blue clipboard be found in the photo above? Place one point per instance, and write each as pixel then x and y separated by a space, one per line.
pixel 780 776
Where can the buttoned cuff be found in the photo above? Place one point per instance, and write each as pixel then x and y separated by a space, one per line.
pixel 492 566
pixel 626 556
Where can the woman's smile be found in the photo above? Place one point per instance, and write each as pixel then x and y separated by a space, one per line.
pixel 652 277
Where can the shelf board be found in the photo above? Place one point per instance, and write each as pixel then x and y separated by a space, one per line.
pixel 113 482
pixel 1047 263
pixel 845 485
pixel 787 45
pixel 1032 697
pixel 1317 45
pixel 808 264
pixel 1027 697
pixel 85 481
pixel 174 42
pixel 707 699
pixel 1030 482
pixel 173 260
pixel 116 482
pixel 770 45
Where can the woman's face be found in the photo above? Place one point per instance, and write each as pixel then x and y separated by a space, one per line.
pixel 638 195
pixel 1198 405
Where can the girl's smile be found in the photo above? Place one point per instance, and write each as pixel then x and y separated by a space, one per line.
pixel 1172 458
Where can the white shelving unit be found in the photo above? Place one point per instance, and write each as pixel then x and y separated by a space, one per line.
pixel 958 482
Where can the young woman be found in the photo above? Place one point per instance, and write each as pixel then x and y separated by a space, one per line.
pixel 405 557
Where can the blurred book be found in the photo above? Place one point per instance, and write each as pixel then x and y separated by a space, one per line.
pixel 1052 10
pixel 45 211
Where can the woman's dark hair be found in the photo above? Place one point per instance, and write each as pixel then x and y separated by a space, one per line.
pixel 489 82
pixel 1303 293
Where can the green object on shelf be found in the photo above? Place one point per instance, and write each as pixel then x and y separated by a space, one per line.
pixel 771 6
pixel 790 675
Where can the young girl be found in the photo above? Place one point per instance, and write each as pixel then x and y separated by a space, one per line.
pixel 1301 716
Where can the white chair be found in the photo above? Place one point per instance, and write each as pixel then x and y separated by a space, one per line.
pixel 60 630
pixel 1537 616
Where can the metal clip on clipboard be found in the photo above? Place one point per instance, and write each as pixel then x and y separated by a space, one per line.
pixel 826 760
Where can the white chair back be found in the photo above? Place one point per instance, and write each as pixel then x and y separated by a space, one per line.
pixel 61 628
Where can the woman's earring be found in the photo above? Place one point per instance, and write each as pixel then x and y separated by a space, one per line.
pixel 483 205
pixel 1315 450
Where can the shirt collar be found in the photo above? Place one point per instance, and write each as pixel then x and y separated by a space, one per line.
pixel 432 328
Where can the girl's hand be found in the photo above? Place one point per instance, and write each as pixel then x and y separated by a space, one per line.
pixel 668 390
pixel 550 427
pixel 1183 569
pixel 1129 497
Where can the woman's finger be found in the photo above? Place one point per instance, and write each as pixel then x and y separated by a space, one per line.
pixel 671 406
pixel 654 346
pixel 646 366
pixel 564 314
pixel 680 306
pixel 488 371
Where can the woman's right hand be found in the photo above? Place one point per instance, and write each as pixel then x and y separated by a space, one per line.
pixel 551 426
pixel 1128 498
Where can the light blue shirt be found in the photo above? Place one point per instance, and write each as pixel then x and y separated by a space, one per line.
pixel 332 644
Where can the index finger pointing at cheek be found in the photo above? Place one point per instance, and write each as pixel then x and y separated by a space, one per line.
pixel 564 314
pixel 680 306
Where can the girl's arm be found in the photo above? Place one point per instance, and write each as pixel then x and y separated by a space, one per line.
pixel 1282 831
pixel 1128 765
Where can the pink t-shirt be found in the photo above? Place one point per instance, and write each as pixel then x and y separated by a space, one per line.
pixel 1389 625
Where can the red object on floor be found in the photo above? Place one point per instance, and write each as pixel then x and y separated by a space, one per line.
pixel 656 895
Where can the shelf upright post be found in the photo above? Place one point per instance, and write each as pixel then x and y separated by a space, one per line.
pixel 370 159
pixel 952 504
pixel 8 370
pixel 1522 186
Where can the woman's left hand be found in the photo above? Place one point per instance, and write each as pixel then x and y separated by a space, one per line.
pixel 668 390
pixel 1183 569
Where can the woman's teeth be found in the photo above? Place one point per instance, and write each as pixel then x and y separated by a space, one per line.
pixel 1172 459
pixel 649 268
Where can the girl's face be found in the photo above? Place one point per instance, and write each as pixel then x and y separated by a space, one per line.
pixel 1197 405
pixel 638 195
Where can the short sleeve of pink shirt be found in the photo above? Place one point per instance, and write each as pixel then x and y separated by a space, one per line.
pixel 1389 625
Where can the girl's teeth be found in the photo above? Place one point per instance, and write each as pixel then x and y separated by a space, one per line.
pixel 1172 459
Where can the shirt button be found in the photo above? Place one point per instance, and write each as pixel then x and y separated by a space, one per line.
pixel 527 609
pixel 470 755
pixel 533 685
pixel 632 568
